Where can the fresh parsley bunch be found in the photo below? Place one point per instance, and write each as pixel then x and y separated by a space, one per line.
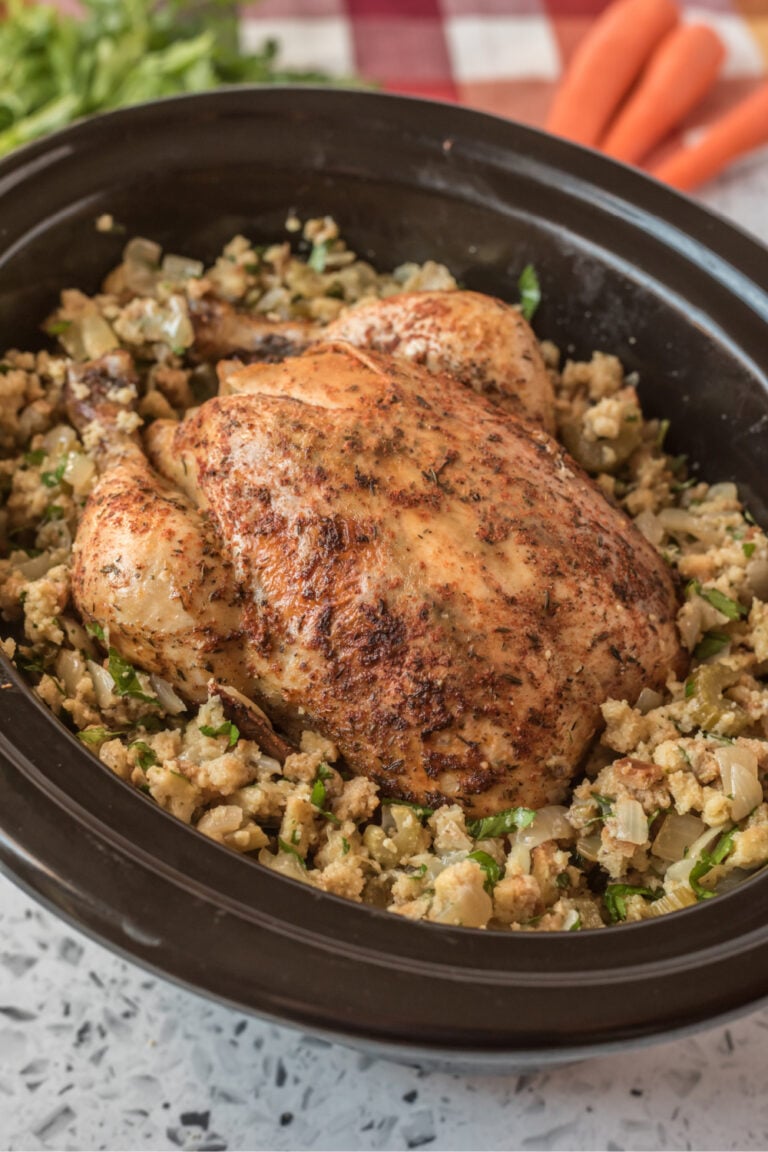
pixel 55 68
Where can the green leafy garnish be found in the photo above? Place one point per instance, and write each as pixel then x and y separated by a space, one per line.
pixel 284 847
pixel 53 512
pixel 748 548
pixel 94 629
pixel 615 899
pixel 604 803
pixel 344 846
pixel 228 729
pixel 318 257
pixel 661 435
pixel 97 735
pixel 489 866
pixel 502 823
pixel 690 688
pixel 530 291
pixel 563 880
pixel 34 458
pixel 126 679
pixel 52 479
pixel 419 809
pixel 319 794
pixel 710 644
pixel 56 327
pixel 730 608
pixel 146 756
pixel 55 67
pixel 709 860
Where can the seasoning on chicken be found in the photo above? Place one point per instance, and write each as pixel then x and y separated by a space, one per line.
pixel 478 340
pixel 374 552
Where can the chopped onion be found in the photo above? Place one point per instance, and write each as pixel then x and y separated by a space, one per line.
pixel 679 872
pixel 139 250
pixel 724 491
pixel 34 566
pixel 631 821
pixel 102 684
pixel 169 701
pixel 738 772
pixel 97 336
pixel 677 520
pixel 648 700
pixel 519 860
pixel 757 577
pixel 181 267
pixel 589 846
pixel 80 473
pixel 549 823
pixel 650 526
pixel 70 669
pixel 60 440
pixel 268 764
pixel 676 835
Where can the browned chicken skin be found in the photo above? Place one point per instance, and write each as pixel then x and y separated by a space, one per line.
pixel 375 552
pixel 480 341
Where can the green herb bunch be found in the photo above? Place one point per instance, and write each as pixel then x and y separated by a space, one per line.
pixel 55 68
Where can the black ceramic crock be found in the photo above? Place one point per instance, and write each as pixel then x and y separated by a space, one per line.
pixel 625 266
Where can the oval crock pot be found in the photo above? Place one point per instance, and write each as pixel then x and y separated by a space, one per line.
pixel 625 266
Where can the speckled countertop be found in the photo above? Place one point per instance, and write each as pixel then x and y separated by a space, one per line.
pixel 95 1053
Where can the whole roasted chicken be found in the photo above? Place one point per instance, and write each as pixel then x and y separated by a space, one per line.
pixel 368 547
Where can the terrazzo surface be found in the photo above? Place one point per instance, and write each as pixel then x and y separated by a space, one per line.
pixel 95 1053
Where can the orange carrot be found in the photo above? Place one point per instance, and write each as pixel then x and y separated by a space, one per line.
pixel 681 72
pixel 743 128
pixel 606 64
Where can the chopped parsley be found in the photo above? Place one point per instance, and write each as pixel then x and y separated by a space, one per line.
pixel 145 756
pixel 34 458
pixel 502 823
pixel 748 548
pixel 710 644
pixel 126 679
pixel 530 291
pixel 53 512
pixel 488 865
pixel 344 846
pixel 53 479
pixel 563 880
pixel 94 629
pixel 228 729
pixel 291 851
pixel 615 899
pixel 319 794
pixel 709 860
pixel 57 327
pixel 730 608
pixel 97 735
pixel 318 257
pixel 690 688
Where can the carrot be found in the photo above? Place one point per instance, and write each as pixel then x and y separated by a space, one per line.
pixel 743 128
pixel 681 72
pixel 606 64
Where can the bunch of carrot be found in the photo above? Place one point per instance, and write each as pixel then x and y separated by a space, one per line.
pixel 635 77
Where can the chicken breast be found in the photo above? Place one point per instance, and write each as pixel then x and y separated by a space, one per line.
pixel 401 565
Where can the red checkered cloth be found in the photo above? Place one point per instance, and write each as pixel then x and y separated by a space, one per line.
pixel 502 56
